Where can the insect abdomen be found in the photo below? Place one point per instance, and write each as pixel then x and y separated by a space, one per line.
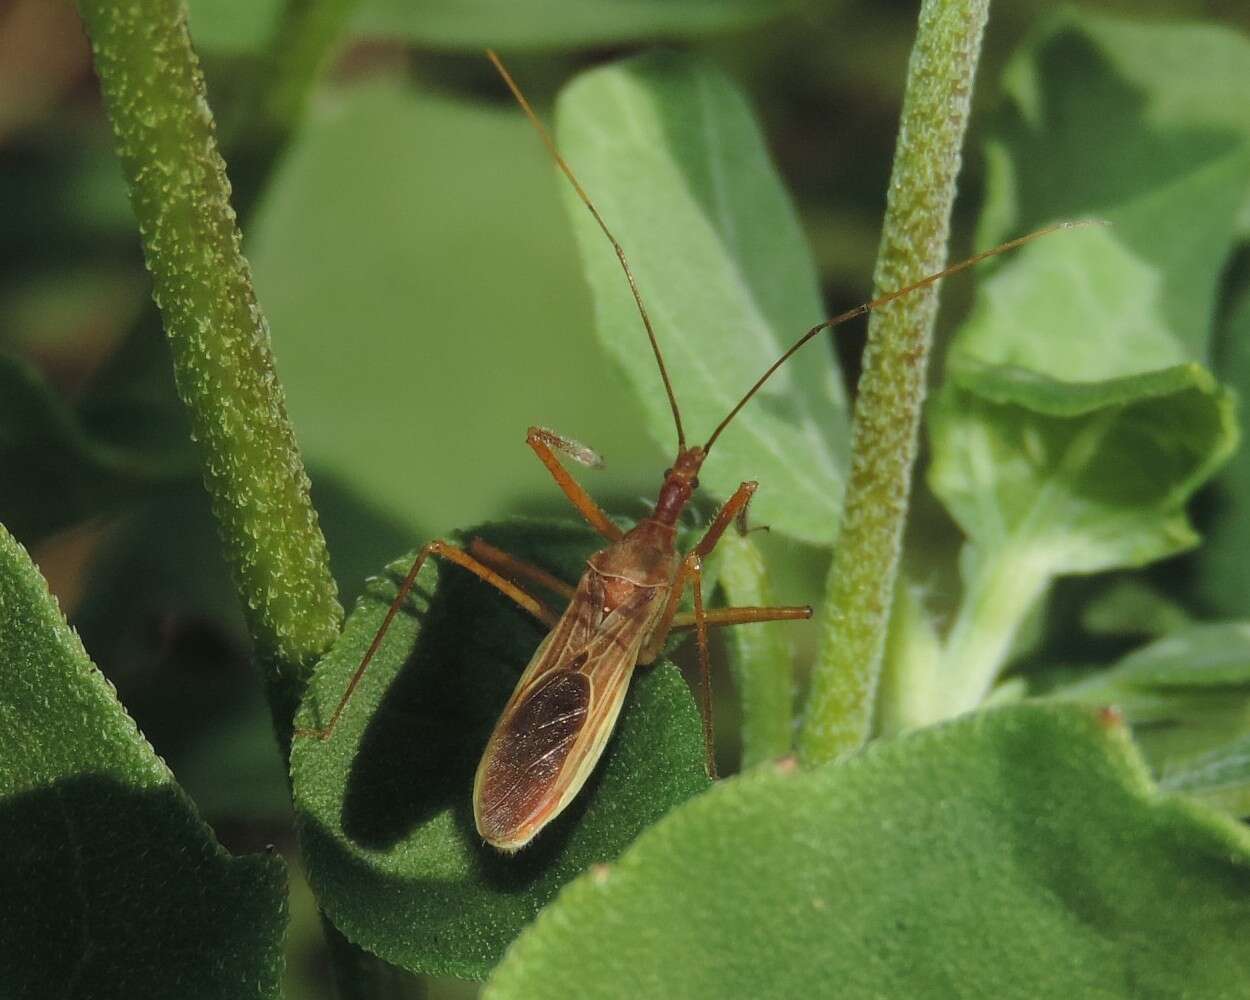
pixel 517 778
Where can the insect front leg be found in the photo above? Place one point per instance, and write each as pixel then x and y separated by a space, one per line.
pixel 735 509
pixel 452 554
pixel 543 442
pixel 691 572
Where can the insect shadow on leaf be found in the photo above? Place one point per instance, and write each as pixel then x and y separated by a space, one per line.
pixel 420 748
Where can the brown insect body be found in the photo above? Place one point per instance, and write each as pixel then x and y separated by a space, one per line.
pixel 555 726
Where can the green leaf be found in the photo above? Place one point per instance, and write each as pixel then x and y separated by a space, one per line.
pixel 1219 778
pixel 1060 451
pixel 760 656
pixel 232 26
pixel 63 464
pixel 432 227
pixel 1224 580
pixel 1131 607
pixel 1077 477
pixel 669 151
pixel 384 805
pixel 113 885
pixel 1019 853
pixel 1123 121
pixel 1186 695
pixel 1076 420
pixel 1198 656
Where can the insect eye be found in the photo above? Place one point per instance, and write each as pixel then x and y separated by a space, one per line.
pixel 694 483
pixel 668 472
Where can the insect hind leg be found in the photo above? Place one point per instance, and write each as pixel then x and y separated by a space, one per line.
pixel 452 554
pixel 519 569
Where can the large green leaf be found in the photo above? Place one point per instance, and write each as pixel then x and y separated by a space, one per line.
pixel 113 886
pixel 1048 477
pixel 669 151
pixel 412 259
pixel 1077 478
pixel 385 804
pixel 1125 121
pixel 1022 853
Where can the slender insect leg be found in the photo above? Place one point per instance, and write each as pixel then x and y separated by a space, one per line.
pixel 460 558
pixel 498 559
pixel 724 518
pixel 543 441
pixel 735 508
pixel 692 571
pixel 743 616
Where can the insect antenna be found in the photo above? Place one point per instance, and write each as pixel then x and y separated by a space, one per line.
pixel 889 297
pixel 549 142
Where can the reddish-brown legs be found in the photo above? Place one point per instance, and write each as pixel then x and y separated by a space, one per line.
pixel 518 569
pixel 493 566
pixel 461 558
pixel 543 441
pixel 692 572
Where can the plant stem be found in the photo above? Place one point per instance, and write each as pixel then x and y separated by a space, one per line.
pixel 891 390
pixel 154 93
pixel 996 601
pixel 762 666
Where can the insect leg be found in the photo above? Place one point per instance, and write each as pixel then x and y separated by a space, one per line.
pixel 498 559
pixel 743 616
pixel 735 509
pixel 692 571
pixel 460 558
pixel 732 510
pixel 543 442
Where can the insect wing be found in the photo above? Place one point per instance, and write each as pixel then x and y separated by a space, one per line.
pixel 558 720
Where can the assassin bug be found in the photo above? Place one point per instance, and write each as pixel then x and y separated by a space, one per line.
pixel 555 725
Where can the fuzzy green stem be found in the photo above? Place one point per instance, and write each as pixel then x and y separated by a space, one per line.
pixel 891 390
pixel 760 657
pixel 154 93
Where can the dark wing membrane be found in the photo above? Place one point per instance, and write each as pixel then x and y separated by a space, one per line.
pixel 528 751
pixel 554 728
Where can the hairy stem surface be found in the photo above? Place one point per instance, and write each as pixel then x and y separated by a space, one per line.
pixel 891 390
pixel 154 93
